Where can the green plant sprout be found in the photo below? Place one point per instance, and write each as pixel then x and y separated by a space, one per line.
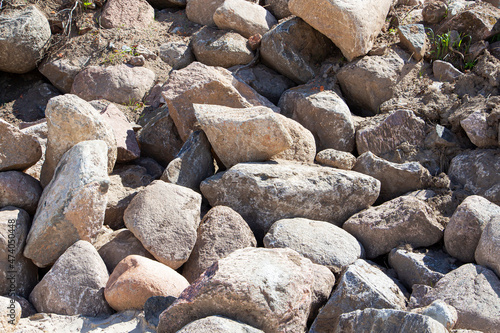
pixel 450 47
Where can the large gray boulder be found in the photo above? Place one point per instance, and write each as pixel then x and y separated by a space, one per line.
pixel 18 151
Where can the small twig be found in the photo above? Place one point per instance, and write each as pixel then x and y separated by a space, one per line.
pixel 70 19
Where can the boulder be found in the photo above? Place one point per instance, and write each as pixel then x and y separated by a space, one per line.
pixel 440 311
pixel 74 285
pixel 414 39
pixel 136 278
pixel 351 25
pixel 444 71
pixel 10 314
pixel 18 151
pixel 266 192
pixel 61 72
pixel 24 31
pixel 434 12
pixel 72 205
pixel 164 217
pixel 19 190
pixel 244 287
pixel 479 130
pixel 71 120
pixel 321 242
pixel 202 12
pixel 218 324
pixel 303 146
pixel 404 220
pixel 466 225
pixel 120 84
pixel 279 8
pixel 487 253
pixel 177 54
pixel 364 278
pixel 39 131
pixel 305 49
pixel 126 14
pixel 336 159
pixel 221 232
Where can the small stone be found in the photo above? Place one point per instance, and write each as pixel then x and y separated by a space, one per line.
pixel 336 159
pixel 414 38
pixel 137 61
pixel 434 11
pixel 441 312
pixel 177 54
pixel 444 71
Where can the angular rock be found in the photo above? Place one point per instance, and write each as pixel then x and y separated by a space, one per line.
pixel 18 151
pixel 324 113
pixel 243 287
pixel 244 17
pixel 414 38
pixel 336 159
pixel 177 54
pixel 434 12
pixel 72 205
pixel 321 242
pixel 487 253
pixel 74 285
pixel 242 135
pixel 71 120
pixel 136 278
pixel 120 84
pixel 351 25
pixel 61 72
pixel 164 217
pixel 123 13
pixel 38 131
pixel 303 146
pixel 466 225
pixel 23 32
pixel 404 220
pixel 218 324
pixel 480 133
pixel 10 314
pixel 305 49
pixel 266 192
pixel 19 190
pixel 441 312
pixel 361 278
pixel 279 8
pixel 221 232
pixel 444 71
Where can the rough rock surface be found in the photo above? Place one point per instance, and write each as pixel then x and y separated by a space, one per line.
pixel 123 13
pixel 18 151
pixel 440 311
pixel 61 72
pixel 19 190
pixel 39 131
pixel 479 131
pixel 487 253
pixel 177 54
pixel 303 146
pixel 414 38
pixel 279 8
pixel 10 314
pixel 336 159
pixel 243 286
pixel 218 324
pixel 201 11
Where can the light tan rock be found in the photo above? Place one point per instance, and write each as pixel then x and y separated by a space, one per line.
pixel 336 159
pixel 126 14
pixel 218 324
pixel 39 132
pixel 202 11
pixel 10 314
pixel 303 147
pixel 18 151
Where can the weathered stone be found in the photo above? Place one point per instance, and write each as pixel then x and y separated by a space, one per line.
pixel 404 220
pixel 361 278
pixel 480 133
pixel 10 314
pixel 444 71
pixel 72 205
pixel 266 192
pixel 244 17
pixel 336 159
pixel 71 120
pixel 177 54
pixel 18 151
pixel 441 312
pixel 164 217
pixel 303 146
pixel 218 324
pixel 466 225
pixel 61 72
pixel 39 132
pixel 434 11
pixel 414 38
pixel 487 253
pixel 24 37
pixel 243 287
pixel 221 232
pixel 19 190
pixel 125 14
pixel 75 284
pixel 137 61
pixel 120 84
pixel 202 12
pixel 279 8
pixel 321 242
pixel 351 25
pixel 324 113
pixel 242 135
pixel 305 49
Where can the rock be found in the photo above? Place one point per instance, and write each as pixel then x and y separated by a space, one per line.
pixel 441 312
pixel 74 285
pixel 279 8
pixel 193 164
pixel 30 107
pixel 414 38
pixel 324 113
pixel 120 84
pixel 221 232
pixel 154 306
pixel 303 146
pixel 336 159
pixel 39 132
pixel 122 13
pixel 243 287
pixel 480 133
pixel 137 61
pixel 387 320
pixel 444 71
pixel 487 248
pixel 361 278
pixel 61 72
pixel 202 84
pixel 321 242
pixel 18 275
pixel 244 17
pixel 159 138
pixel 177 54
pixel 19 190
pixel 420 267
pixel 399 127
pixel 368 82
pixel 202 12
pixel 121 244
pixel 71 120
pixel 266 192
pixel 18 151
pixel 242 135
pixel 164 217
pixel 434 12
pixel 305 49
pixel 477 172
pixel 72 205
pixel 404 220
pixel 473 291
pixel 466 225
pixel 218 324
pixel 10 314
pixel 356 24
pixel 395 179
pixel 136 278
pixel 24 32
pixel 215 47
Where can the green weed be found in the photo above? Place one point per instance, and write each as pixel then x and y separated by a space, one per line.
pixel 450 47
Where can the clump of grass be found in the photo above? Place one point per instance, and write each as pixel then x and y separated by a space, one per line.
pixel 452 47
